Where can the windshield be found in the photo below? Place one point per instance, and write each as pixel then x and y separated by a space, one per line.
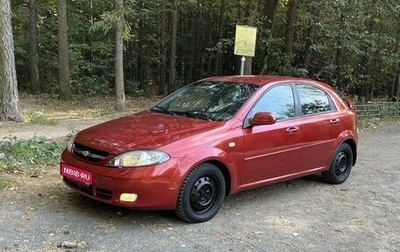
pixel 217 101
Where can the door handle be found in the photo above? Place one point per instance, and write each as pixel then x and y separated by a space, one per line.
pixel 334 121
pixel 293 130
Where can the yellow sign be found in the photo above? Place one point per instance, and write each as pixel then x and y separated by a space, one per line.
pixel 245 40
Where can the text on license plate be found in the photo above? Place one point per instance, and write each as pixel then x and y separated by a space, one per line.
pixel 76 174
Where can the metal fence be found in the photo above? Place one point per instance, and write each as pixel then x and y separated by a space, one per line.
pixel 378 110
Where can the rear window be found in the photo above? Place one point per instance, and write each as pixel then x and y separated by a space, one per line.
pixel 313 100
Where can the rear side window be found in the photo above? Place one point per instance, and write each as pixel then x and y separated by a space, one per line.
pixel 313 100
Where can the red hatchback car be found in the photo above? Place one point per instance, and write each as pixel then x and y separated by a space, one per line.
pixel 213 138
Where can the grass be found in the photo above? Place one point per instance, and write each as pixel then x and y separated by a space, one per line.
pixel 47 108
pixel 4 182
pixel 38 117
pixel 27 155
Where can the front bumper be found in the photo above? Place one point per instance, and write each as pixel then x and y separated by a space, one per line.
pixel 156 187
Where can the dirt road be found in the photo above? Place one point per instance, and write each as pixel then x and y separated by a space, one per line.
pixel 363 214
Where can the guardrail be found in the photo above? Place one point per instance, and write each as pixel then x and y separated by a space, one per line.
pixel 378 110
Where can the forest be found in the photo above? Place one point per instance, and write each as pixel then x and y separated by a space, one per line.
pixel 353 45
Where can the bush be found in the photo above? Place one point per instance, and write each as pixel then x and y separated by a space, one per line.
pixel 20 155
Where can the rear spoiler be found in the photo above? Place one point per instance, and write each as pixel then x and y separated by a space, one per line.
pixel 349 103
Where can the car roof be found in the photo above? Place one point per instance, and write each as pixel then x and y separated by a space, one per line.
pixel 262 80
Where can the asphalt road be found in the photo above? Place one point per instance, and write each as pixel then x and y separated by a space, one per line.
pixel 363 214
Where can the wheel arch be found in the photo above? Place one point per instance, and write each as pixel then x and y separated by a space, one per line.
pixel 353 147
pixel 350 138
pixel 217 157
pixel 225 171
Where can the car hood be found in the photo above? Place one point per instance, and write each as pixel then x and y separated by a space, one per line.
pixel 145 130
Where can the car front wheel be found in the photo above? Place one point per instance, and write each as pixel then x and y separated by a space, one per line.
pixel 340 166
pixel 202 194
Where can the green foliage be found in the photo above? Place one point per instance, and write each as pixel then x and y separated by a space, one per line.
pixel 38 117
pixel 4 182
pixel 354 47
pixel 107 22
pixel 22 155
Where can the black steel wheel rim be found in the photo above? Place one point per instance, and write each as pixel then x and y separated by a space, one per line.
pixel 203 194
pixel 341 164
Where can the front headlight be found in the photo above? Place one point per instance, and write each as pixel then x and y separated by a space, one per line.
pixel 139 158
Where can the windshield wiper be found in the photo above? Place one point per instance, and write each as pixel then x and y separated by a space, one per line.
pixel 196 114
pixel 162 110
pixel 192 114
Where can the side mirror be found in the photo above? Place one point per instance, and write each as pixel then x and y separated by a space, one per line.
pixel 263 118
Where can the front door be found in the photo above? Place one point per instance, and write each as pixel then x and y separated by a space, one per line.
pixel 272 151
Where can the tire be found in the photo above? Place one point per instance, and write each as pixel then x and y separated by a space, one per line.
pixel 340 166
pixel 202 194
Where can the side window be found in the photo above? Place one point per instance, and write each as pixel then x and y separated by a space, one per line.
pixel 312 99
pixel 279 101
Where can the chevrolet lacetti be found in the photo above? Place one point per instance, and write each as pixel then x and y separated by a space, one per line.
pixel 213 138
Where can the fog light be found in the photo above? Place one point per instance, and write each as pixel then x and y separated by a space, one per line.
pixel 128 197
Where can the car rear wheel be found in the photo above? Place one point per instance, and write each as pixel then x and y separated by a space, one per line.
pixel 340 167
pixel 202 194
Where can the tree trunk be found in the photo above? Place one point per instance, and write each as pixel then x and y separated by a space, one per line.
pixel 119 58
pixel 340 48
pixel 310 37
pixel 194 44
pixel 163 65
pixel 397 79
pixel 251 10
pixel 172 54
pixel 33 52
pixel 397 85
pixel 65 86
pixel 221 31
pixel 290 28
pixel 9 101
pixel 395 90
pixel 270 8
pixel 363 66
pixel 141 61
pixel 194 61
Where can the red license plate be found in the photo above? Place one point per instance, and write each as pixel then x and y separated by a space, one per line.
pixel 76 174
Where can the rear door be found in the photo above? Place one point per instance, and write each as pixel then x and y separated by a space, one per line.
pixel 321 125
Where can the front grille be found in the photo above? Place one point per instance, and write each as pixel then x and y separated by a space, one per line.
pixel 89 189
pixel 88 154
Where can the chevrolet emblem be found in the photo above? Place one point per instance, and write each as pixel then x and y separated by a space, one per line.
pixel 85 153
